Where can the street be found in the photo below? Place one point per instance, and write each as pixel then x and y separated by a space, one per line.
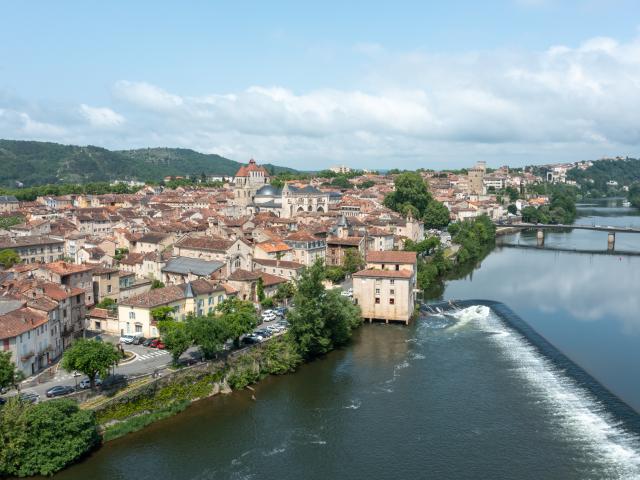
pixel 147 360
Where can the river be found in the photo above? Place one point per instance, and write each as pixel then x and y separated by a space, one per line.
pixel 459 396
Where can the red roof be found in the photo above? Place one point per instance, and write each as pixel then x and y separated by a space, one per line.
pixel 252 167
pixel 391 256
pixel 384 273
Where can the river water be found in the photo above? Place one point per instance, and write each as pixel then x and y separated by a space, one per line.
pixel 461 396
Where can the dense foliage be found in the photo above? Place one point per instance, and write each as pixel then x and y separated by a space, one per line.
pixel 561 209
pixel 175 337
pixel 8 258
pixel 40 163
pixel 593 180
pixel 91 358
pixel 42 439
pixel 9 221
pixel 474 238
pixel 322 320
pixel 411 197
pixel 8 372
pixel 634 195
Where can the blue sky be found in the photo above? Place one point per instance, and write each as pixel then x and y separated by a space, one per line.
pixel 368 84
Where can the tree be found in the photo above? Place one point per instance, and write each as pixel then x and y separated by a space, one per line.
pixel 9 257
pixel 512 209
pixel 321 320
pixel 284 292
pixel 336 274
pixel 366 184
pixel 341 182
pixel 209 333
pixel 156 284
pixel 353 261
pixel 175 337
pixel 410 195
pixel 90 358
pixel 42 439
pixel 260 289
pixel 634 195
pixel 160 314
pixel 238 317
pixel 436 215
pixel 8 372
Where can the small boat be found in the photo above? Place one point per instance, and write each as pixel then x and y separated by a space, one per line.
pixel 626 203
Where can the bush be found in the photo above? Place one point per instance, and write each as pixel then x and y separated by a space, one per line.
pixel 44 438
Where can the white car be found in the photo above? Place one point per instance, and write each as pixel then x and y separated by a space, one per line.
pixel 345 294
pixel 268 317
pixel 127 339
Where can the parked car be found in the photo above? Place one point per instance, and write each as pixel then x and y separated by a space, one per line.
pixel 59 390
pixel 268 317
pixel 282 311
pixel 251 339
pixel 86 383
pixel 139 340
pixel 157 343
pixel 30 397
pixel 149 341
pixel 127 339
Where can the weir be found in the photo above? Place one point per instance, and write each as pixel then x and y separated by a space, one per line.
pixel 620 412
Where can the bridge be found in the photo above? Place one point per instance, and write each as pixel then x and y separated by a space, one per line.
pixel 523 246
pixel 541 227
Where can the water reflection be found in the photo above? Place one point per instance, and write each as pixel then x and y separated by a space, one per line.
pixel 587 305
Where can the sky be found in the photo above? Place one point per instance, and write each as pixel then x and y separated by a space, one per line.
pixel 402 84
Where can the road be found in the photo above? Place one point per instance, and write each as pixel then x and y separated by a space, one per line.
pixel 147 360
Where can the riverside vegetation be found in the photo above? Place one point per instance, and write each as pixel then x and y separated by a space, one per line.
pixel 43 438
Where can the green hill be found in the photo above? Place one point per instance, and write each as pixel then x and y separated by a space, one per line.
pixel 39 163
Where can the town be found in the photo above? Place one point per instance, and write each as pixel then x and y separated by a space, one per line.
pixel 78 266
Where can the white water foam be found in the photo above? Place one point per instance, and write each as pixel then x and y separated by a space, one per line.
pixel 581 416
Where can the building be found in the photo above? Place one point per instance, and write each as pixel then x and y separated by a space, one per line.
pixel 106 283
pixel 385 289
pixel 248 180
pixel 476 178
pixel 307 199
pixel 186 269
pixel 340 169
pixel 35 249
pixel 199 297
pixel 70 275
pixel 8 204
pixel 25 332
pixel 306 248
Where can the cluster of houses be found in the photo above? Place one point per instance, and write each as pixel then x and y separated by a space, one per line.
pixel 191 248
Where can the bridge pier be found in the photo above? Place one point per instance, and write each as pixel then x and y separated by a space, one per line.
pixel 611 241
pixel 540 237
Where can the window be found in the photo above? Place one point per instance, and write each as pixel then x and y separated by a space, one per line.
pixel 392 301
pixel 392 292
pixel 132 315
pixel 138 327
pixel 108 288
pixel 210 301
pixel 377 291
pixel 397 267
pixel 377 300
pixel 392 282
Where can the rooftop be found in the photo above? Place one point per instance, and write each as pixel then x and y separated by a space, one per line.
pixel 391 256
pixel 376 273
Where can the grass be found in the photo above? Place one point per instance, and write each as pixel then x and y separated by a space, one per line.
pixel 141 421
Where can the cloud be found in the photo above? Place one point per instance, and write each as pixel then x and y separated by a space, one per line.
pixel 145 95
pixel 101 117
pixel 409 109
